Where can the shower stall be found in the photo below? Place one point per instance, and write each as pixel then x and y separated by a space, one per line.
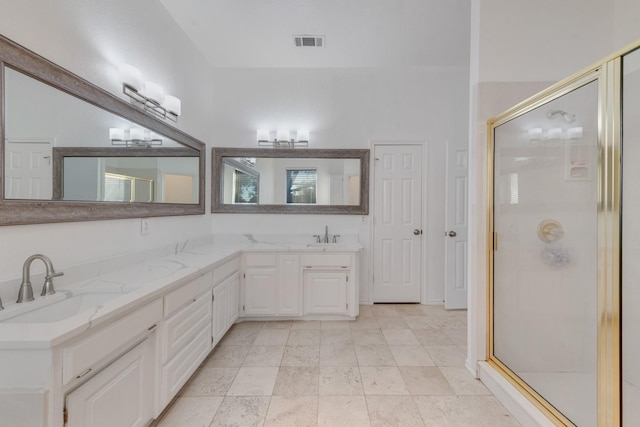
pixel 564 246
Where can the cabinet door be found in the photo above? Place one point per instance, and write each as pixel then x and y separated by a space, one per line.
pixel 325 291
pixel 120 395
pixel 219 316
pixel 260 291
pixel 233 298
pixel 289 289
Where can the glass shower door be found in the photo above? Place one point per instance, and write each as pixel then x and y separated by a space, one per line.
pixel 631 240
pixel 545 216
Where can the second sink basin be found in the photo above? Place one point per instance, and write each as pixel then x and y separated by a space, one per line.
pixel 62 309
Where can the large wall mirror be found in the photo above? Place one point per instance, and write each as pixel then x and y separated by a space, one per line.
pixel 70 151
pixel 305 181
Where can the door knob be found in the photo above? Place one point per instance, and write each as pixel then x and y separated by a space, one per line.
pixel 417 232
pixel 452 234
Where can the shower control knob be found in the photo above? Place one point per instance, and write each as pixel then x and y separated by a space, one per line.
pixel 452 234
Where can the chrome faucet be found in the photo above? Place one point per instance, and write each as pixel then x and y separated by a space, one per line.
pixel 325 239
pixel 26 291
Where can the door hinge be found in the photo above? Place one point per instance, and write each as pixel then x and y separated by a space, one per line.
pixel 211 340
pixel 347 277
pixel 495 241
pixel 213 297
pixel 244 275
pixel 243 308
pixel 65 416
pixel 347 306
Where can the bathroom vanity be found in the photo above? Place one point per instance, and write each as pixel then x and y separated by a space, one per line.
pixel 123 343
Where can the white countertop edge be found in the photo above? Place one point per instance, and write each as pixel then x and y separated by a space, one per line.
pixel 196 261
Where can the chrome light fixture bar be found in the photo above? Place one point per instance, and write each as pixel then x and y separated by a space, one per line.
pixel 283 138
pixel 152 98
pixel 137 138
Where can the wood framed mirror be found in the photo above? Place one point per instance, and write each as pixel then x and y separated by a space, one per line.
pixel 47 113
pixel 290 181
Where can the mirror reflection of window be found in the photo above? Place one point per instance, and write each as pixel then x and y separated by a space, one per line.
pixel 301 186
pixel 123 188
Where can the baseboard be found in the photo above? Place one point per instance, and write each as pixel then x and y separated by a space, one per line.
pixel 517 404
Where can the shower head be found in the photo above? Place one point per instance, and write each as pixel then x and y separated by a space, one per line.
pixel 569 118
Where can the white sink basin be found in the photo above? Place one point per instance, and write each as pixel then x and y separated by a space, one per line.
pixel 325 245
pixel 61 309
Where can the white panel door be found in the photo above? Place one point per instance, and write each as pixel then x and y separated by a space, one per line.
pixel 397 230
pixel 28 170
pixel 455 290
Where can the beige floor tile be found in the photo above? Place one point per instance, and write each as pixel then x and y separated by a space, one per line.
pixel 400 337
pixel 210 382
pixel 342 411
pixel 264 355
pixel 393 411
pixel 386 310
pixel 412 309
pixel 446 322
pixel 304 337
pixel 418 322
pixel 340 381
pixel 338 355
pixel 278 324
pixel 462 382
pixel 253 381
pixel 191 411
pixel 240 336
pixel 334 324
pixel 245 411
pixel 426 381
pixel 374 355
pixel 458 336
pixel 364 323
pixel 392 323
pixel 365 311
pixel 336 337
pixel 464 411
pixel 301 355
pixel 227 355
pixel 446 355
pixel 411 355
pixel 297 381
pixel 272 337
pixel 431 337
pixel 383 381
pixel 297 411
pixel 368 337
pixel 248 325
pixel 305 324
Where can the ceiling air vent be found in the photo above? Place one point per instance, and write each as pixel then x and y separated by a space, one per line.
pixel 309 41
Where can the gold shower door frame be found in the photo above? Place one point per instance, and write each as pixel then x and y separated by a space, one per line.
pixel 608 75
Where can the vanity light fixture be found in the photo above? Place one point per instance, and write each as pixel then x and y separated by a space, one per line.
pixel 149 96
pixel 284 138
pixel 133 138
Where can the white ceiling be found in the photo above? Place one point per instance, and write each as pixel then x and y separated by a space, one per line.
pixel 359 33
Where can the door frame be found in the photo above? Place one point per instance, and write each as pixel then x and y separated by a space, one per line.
pixel 425 236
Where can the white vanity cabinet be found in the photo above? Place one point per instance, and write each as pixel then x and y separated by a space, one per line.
pixel 294 284
pixel 186 334
pixel 226 298
pixel 110 374
pixel 271 285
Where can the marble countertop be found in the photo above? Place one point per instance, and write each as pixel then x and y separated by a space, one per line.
pixel 139 279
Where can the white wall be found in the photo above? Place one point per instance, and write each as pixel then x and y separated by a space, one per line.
pixel 91 38
pixel 347 108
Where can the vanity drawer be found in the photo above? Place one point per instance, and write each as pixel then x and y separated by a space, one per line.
pixel 187 293
pixel 325 260
pixel 176 373
pixel 225 270
pixel 260 260
pixel 183 326
pixel 90 353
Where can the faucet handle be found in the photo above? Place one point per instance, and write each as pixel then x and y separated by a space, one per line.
pixel 335 238
pixel 52 275
pixel 317 236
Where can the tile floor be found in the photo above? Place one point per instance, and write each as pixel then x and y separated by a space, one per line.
pixel 396 365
